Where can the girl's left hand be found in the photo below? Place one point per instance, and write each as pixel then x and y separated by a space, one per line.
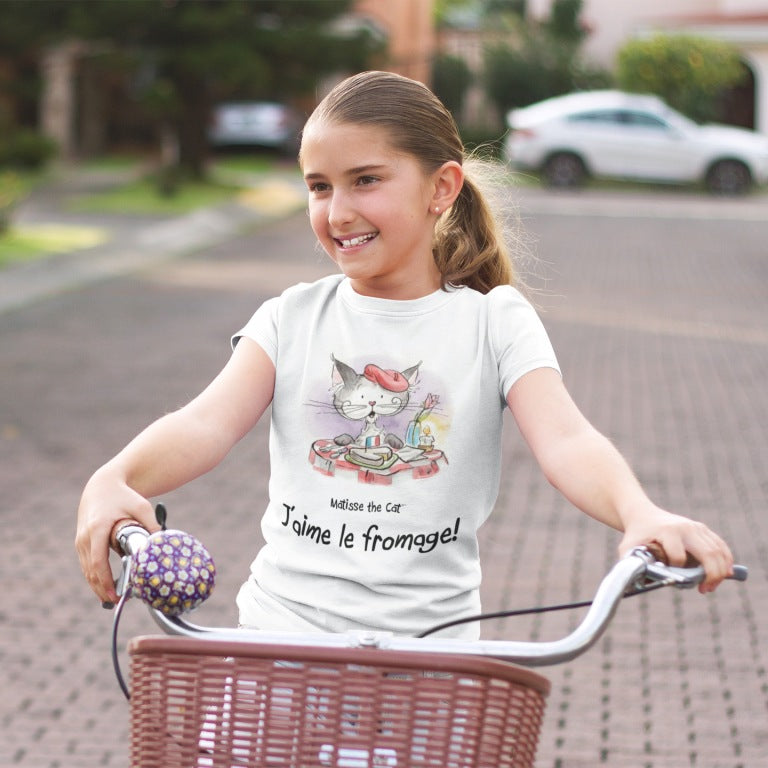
pixel 676 538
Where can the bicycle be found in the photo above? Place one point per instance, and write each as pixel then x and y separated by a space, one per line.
pixel 236 698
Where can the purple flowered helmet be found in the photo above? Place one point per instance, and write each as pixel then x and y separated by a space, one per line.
pixel 173 572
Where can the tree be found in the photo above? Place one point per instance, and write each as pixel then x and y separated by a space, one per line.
pixel 564 22
pixel 180 56
pixel 688 72
pixel 544 61
pixel 451 77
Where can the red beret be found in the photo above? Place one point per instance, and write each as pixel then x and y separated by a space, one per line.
pixel 392 381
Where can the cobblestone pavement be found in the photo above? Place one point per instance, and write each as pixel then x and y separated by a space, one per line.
pixel 660 324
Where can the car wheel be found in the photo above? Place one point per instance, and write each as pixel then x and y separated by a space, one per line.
pixel 729 177
pixel 564 170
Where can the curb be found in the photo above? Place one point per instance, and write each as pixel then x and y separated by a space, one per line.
pixel 151 244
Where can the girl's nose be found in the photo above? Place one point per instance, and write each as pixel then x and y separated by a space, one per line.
pixel 339 211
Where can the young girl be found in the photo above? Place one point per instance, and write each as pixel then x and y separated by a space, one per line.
pixel 387 384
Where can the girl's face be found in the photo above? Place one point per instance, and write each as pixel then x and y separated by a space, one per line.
pixel 371 207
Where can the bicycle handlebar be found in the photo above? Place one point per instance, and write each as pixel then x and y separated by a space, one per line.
pixel 636 572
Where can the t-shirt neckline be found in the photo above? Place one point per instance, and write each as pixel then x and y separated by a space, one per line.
pixel 375 305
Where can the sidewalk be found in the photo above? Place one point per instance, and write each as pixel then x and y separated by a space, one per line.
pixel 135 242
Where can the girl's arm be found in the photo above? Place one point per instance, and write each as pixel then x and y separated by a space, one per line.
pixel 586 468
pixel 169 453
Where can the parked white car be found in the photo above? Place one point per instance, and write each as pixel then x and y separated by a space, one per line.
pixel 612 134
pixel 256 123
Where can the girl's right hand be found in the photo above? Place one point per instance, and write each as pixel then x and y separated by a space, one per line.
pixel 105 501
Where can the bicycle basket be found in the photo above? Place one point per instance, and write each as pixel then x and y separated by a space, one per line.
pixel 213 704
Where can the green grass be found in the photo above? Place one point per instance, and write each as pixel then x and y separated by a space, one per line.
pixel 15 185
pixel 228 175
pixel 144 197
pixel 15 249
pixel 244 163
pixel 19 244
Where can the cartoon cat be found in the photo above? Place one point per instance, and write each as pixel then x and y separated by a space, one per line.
pixel 368 395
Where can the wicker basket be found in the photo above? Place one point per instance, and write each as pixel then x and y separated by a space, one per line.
pixel 229 704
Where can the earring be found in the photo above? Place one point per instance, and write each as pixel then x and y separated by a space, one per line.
pixel 437 210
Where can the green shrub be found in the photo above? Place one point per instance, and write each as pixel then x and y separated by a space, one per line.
pixel 27 149
pixel 564 21
pixel 490 142
pixel 539 68
pixel 451 76
pixel 544 60
pixel 11 192
pixel 688 72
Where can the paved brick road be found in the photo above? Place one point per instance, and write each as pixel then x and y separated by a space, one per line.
pixel 660 324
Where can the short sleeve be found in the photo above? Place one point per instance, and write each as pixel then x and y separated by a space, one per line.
pixel 262 328
pixel 520 341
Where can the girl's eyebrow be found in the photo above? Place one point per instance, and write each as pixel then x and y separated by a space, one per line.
pixel 364 169
pixel 356 171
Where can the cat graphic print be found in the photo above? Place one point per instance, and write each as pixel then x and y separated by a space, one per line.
pixel 372 400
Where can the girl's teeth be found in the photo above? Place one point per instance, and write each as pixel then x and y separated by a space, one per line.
pixel 355 241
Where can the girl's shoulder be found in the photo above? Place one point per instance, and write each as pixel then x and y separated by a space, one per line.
pixel 499 299
pixel 506 293
pixel 320 287
pixel 288 310
pixel 302 296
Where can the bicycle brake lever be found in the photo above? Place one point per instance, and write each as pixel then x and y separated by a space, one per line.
pixel 658 574
pixel 121 581
pixel 683 578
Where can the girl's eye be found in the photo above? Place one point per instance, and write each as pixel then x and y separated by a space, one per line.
pixel 318 186
pixel 365 180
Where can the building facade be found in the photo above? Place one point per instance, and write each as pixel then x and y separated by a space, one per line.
pixel 408 27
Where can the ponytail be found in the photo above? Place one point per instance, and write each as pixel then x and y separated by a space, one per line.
pixel 470 245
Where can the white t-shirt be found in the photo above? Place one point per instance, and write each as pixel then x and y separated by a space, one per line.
pixel 385 453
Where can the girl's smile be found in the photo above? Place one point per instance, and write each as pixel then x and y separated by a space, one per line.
pixel 370 208
pixel 353 242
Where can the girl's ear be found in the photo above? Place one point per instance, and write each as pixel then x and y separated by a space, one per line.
pixel 448 180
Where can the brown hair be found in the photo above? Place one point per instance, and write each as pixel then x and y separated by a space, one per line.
pixel 468 246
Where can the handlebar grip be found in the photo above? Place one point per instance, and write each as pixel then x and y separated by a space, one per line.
pixel 693 576
pixel 123 540
pixel 740 573
pixel 127 536
pixel 683 577
pixel 690 575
